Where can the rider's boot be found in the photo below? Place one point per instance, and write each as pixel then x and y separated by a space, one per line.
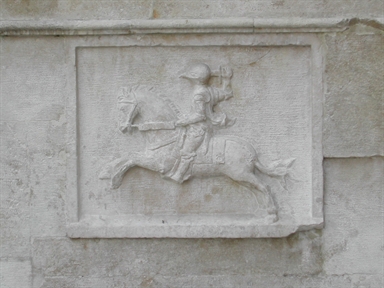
pixel 181 170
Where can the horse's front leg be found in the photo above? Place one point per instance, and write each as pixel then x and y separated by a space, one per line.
pixel 112 167
pixel 138 159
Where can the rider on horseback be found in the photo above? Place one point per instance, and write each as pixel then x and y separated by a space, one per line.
pixel 199 122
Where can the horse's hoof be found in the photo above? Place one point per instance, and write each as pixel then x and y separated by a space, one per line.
pixel 272 210
pixel 116 182
pixel 105 174
pixel 115 186
pixel 272 218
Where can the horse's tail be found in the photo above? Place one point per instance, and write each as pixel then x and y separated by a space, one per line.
pixel 278 168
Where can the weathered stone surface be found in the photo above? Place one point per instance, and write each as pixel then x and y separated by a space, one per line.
pixel 298 254
pixel 42 88
pixel 47 162
pixel 354 95
pixel 262 9
pixel 83 9
pixel 353 238
pixel 225 281
pixel 33 136
pixel 128 9
pixel 348 253
pixel 15 273
pixel 36 92
pixel 37 75
pixel 15 191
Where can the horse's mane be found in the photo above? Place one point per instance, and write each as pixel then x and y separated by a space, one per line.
pixel 153 106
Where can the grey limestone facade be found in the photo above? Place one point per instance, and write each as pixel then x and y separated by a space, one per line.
pixel 274 177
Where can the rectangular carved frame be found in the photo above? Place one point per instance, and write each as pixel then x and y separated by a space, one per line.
pixel 78 228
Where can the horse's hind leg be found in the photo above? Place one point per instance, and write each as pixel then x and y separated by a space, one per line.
pixel 249 180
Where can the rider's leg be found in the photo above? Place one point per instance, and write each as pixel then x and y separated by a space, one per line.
pixel 192 142
pixel 182 168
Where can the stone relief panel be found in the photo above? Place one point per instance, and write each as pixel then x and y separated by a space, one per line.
pixel 195 141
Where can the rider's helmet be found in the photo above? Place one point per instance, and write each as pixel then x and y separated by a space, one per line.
pixel 200 72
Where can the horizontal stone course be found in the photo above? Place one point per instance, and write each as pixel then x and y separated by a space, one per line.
pixel 225 281
pixel 128 9
pixel 298 254
pixel 172 26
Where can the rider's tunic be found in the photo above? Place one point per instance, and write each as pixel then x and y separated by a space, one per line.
pixel 204 99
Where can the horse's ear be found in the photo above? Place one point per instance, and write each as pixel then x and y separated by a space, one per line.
pixel 127 95
pixel 123 92
pixel 131 96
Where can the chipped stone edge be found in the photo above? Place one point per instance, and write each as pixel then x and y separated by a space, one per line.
pixel 90 229
pixel 166 26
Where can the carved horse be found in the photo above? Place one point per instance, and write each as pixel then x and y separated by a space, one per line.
pixel 225 155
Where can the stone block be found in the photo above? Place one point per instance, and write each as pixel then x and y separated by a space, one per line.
pixel 182 9
pixel 33 143
pixel 15 273
pixel 353 111
pixel 35 92
pixel 263 8
pixel 47 162
pixel 176 9
pixel 14 219
pixel 224 281
pixel 354 231
pixel 140 259
pixel 14 151
pixel 15 191
pixel 75 9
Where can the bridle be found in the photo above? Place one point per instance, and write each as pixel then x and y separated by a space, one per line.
pixel 134 111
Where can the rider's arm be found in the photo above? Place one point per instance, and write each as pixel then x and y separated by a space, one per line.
pixel 226 94
pixel 226 76
pixel 219 95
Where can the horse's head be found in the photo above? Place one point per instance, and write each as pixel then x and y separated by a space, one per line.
pixel 141 105
pixel 145 102
pixel 128 109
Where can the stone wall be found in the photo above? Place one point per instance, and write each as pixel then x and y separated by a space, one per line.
pixel 34 248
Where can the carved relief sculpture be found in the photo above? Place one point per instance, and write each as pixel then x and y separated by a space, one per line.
pixel 181 146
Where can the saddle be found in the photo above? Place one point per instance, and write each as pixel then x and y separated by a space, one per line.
pixel 211 153
pixel 215 154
